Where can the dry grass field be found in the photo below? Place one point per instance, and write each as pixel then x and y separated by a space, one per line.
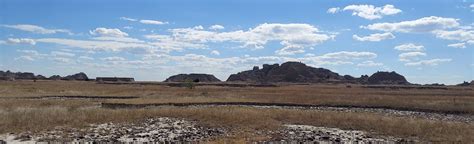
pixel 28 114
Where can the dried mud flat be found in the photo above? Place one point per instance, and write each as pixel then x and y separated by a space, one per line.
pixel 172 130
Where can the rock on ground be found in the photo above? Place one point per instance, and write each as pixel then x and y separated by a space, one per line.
pixel 306 133
pixel 150 130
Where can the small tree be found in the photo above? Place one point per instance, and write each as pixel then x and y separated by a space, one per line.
pixel 189 84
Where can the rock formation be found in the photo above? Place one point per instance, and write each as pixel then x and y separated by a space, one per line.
pixel 17 75
pixel 387 78
pixel 297 72
pixel 55 77
pixel 465 83
pixel 287 72
pixel 192 77
pixel 79 76
pixel 31 76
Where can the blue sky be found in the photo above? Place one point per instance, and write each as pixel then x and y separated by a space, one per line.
pixel 427 41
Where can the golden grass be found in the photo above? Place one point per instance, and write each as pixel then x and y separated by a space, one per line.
pixel 239 119
pixel 18 115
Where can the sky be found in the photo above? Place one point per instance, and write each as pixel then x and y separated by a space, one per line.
pixel 427 41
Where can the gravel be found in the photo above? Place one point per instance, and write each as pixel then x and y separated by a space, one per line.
pixel 151 130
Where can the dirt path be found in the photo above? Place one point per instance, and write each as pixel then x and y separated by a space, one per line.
pixel 72 97
pixel 385 110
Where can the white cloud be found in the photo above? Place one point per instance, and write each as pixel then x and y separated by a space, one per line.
pixel 410 47
pixel 86 58
pixel 459 35
pixel 371 12
pixel 153 22
pixel 114 58
pixel 333 10
pixel 36 29
pixel 457 45
pixel 28 58
pixel 294 37
pixel 119 39
pixel 215 52
pixel 431 62
pixel 374 37
pixel 410 56
pixel 425 24
pixel 144 21
pixel 216 27
pixel 348 55
pixel 62 60
pixel 62 54
pixel 170 43
pixel 95 45
pixel 369 64
pixel 21 41
pixel 108 32
pixel 128 19
pixel 30 55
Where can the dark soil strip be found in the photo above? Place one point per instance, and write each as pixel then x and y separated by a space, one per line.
pixel 124 105
pixel 405 87
pixel 73 97
pixel 178 84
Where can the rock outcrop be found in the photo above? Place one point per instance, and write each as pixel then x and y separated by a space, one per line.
pixel 295 72
pixel 79 76
pixel 192 77
pixel 465 83
pixel 55 77
pixel 387 78
pixel 17 75
pixel 31 76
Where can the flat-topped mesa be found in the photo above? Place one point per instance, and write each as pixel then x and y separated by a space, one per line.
pixel 294 72
pixel 387 78
pixel 192 77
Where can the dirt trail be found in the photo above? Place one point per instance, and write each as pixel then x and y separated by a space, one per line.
pixel 385 110
pixel 72 97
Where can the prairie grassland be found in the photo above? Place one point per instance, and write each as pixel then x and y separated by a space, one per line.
pixel 239 120
pixel 454 99
pixel 18 115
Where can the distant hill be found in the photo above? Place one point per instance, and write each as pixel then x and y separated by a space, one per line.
pixel 7 75
pixel 192 77
pixel 297 72
pixel 387 78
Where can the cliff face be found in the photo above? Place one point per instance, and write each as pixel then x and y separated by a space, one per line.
pixel 192 77
pixel 296 72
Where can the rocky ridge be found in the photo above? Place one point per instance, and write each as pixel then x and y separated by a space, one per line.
pixel 192 77
pixel 297 72
pixel 8 75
